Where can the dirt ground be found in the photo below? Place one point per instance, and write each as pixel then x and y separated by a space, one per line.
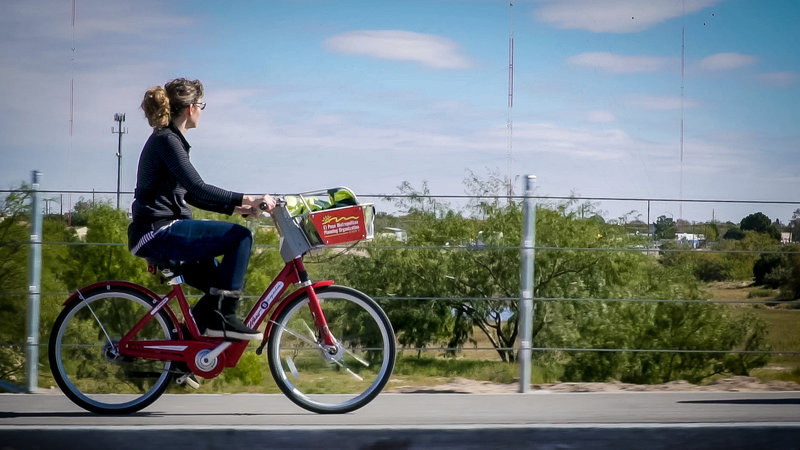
pixel 467 386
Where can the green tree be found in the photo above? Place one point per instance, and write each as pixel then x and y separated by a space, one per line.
pixel 79 216
pixel 794 225
pixel 710 232
pixel 704 266
pixel 764 266
pixel 665 228
pixel 14 234
pixel 760 223
pixel 104 255
pixel 733 233
pixel 790 290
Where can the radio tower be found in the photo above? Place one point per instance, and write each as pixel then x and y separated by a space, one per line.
pixel 509 120
pixel 683 81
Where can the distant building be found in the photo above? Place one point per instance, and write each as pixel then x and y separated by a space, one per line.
pixel 786 237
pixel 398 233
pixel 81 232
pixel 691 239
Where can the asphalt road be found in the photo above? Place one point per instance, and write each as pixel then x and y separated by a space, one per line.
pixel 404 421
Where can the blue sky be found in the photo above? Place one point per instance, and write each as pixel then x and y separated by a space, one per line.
pixel 306 94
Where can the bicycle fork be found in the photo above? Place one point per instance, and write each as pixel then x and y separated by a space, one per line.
pixel 322 336
pixel 325 336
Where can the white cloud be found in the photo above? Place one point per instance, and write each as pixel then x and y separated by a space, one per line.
pixel 585 143
pixel 660 102
pixel 611 63
pixel 427 49
pixel 615 16
pixel 779 79
pixel 601 116
pixel 726 61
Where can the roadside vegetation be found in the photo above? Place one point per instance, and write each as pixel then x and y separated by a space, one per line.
pixel 450 289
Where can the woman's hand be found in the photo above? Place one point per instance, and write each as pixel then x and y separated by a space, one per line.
pixel 251 204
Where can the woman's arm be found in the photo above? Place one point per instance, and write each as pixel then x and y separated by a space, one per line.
pixel 199 193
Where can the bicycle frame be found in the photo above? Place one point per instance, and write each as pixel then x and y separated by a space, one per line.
pixel 217 350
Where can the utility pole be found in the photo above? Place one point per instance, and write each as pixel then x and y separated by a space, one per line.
pixel 34 287
pixel 120 131
pixel 526 306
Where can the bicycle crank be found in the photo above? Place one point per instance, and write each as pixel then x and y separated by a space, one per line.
pixel 209 363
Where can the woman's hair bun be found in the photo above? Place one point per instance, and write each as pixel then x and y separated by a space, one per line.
pixel 156 107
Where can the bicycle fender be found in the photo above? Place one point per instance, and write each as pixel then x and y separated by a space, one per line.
pixel 285 301
pixel 108 284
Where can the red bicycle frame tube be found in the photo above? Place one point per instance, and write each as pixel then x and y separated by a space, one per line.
pixel 179 349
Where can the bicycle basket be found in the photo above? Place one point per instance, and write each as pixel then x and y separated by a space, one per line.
pixel 332 216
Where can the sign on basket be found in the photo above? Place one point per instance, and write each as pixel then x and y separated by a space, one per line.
pixel 340 225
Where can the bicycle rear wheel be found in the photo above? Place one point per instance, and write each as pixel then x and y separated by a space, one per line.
pixel 84 354
pixel 332 380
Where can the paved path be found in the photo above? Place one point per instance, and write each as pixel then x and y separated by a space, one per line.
pixel 403 421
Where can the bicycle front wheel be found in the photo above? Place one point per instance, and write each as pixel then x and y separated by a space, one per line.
pixel 84 354
pixel 336 379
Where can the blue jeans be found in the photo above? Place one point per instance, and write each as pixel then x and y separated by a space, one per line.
pixel 198 243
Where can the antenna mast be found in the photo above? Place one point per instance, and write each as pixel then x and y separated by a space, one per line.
pixel 683 78
pixel 509 120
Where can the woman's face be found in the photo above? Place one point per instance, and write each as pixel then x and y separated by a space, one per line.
pixel 195 111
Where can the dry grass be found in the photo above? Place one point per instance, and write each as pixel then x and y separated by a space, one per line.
pixel 783 323
pixel 732 291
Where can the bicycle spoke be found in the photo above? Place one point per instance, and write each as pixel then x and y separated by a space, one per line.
pixel 292 367
pixel 310 331
pixel 102 327
pixel 356 357
pixel 298 335
pixel 355 375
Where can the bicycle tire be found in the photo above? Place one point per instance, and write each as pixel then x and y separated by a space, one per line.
pixel 313 378
pixel 84 359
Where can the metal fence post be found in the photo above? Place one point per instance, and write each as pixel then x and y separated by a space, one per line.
pixel 34 287
pixel 526 284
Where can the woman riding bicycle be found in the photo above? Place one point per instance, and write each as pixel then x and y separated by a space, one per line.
pixel 163 229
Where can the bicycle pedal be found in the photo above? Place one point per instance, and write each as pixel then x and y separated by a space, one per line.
pixel 188 379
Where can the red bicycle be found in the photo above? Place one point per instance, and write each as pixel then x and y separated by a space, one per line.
pixel 116 345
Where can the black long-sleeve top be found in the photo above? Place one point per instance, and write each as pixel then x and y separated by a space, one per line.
pixel 167 181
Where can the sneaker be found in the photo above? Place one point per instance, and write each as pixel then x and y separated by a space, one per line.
pixel 225 323
pixel 203 311
pixel 232 328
